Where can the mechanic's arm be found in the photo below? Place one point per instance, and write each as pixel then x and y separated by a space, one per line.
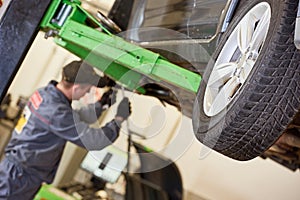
pixel 92 112
pixel 67 125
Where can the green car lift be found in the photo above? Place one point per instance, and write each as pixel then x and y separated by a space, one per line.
pixel 82 34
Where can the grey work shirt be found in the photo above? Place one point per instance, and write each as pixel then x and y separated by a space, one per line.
pixel 47 123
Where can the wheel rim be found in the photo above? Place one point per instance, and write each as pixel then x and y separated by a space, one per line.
pixel 236 59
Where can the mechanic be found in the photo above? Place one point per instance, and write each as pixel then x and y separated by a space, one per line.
pixel 48 122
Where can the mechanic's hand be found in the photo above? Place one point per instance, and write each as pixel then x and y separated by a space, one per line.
pixel 124 109
pixel 108 98
pixel 105 81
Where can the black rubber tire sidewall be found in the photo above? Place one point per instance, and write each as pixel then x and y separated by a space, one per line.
pixel 269 99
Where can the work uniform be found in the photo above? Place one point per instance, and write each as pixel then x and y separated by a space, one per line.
pixel 35 149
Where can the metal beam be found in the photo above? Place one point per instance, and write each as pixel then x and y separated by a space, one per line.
pixel 18 28
pixel 121 60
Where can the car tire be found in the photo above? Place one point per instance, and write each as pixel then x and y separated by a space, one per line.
pixel 250 91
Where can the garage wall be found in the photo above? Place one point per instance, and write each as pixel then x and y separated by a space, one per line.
pixel 205 173
pixel 217 177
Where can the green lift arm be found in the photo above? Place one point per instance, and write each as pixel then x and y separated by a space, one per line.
pixel 82 34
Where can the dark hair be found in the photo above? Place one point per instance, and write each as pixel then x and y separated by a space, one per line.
pixel 80 72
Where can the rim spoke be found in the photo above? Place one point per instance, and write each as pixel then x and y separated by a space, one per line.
pixel 245 32
pixel 246 70
pixel 221 73
pixel 225 95
pixel 260 31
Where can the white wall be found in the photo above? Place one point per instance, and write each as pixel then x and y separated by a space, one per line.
pixel 218 177
pixel 212 176
pixel 204 172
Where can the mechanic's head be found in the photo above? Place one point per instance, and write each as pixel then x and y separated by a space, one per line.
pixel 79 76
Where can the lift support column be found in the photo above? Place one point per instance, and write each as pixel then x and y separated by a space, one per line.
pixel 18 28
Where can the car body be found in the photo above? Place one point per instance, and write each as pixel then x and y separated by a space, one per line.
pixel 184 32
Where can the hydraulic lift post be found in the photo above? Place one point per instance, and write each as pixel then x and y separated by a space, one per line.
pixel 18 27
